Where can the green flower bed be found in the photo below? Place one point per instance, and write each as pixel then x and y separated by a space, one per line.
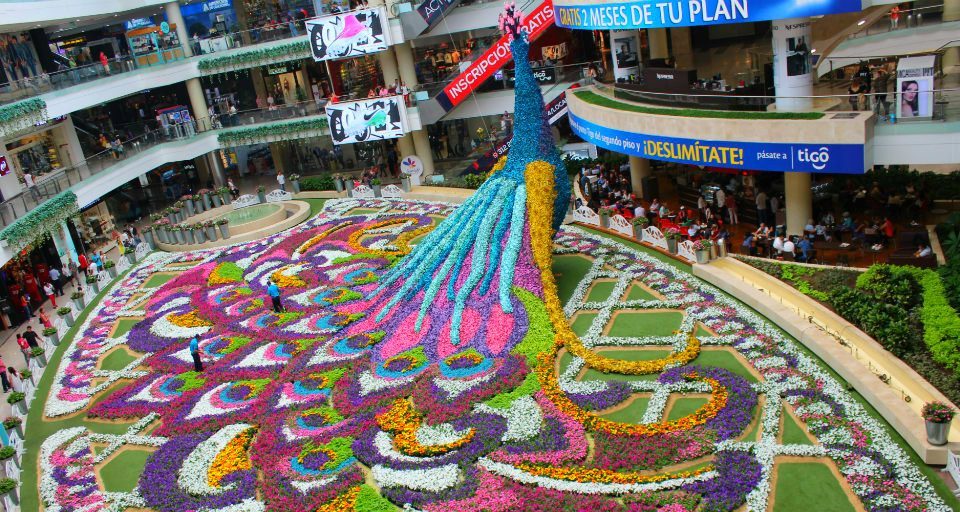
pixel 317 183
pixel 603 101
pixel 22 115
pixel 271 132
pixel 253 57
pixel 37 223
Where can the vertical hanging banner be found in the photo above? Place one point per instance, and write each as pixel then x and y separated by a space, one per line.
pixel 492 60
pixel 626 54
pixel 349 34
pixel 367 120
pixel 915 86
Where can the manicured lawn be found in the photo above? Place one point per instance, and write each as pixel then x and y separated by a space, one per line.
pixel 632 413
pixel 637 324
pixel 603 101
pixel 635 355
pixel 754 433
pixel 124 325
pixel 684 406
pixel 637 292
pixel 117 360
pixel 792 432
pixel 158 279
pixel 807 486
pixel 569 271
pixel 315 205
pixel 726 360
pixel 122 472
pixel 600 291
pixel 582 322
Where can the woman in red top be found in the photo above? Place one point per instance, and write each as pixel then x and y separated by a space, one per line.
pixel 887 228
pixel 83 263
pixel 24 348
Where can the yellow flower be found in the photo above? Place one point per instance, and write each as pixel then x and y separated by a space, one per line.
pixel 403 420
pixel 402 242
pixel 232 458
pixel 189 319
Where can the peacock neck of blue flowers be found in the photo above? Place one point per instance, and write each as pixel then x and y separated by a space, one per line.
pixel 475 251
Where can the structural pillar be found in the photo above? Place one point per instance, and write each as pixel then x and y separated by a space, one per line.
pixel 421 145
pixel 216 169
pixel 388 66
pixel 174 17
pixel 682 46
pixel 793 79
pixel 198 103
pixel 657 39
pixel 951 12
pixel 639 171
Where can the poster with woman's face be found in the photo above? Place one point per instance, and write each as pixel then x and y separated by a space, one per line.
pixel 915 87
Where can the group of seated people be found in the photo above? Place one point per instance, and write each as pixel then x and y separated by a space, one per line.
pixel 775 245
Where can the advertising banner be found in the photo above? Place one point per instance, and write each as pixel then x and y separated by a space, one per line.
pixel 750 156
pixel 349 34
pixel 915 86
pixel 687 13
pixel 431 10
pixel 494 58
pixel 367 120
pixel 544 76
pixel 626 54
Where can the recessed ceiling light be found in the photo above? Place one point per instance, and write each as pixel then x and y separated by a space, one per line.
pixel 861 23
pixel 813 51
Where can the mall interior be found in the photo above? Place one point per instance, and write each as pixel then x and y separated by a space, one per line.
pixel 822 133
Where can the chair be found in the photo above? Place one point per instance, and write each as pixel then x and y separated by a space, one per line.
pixel 953 467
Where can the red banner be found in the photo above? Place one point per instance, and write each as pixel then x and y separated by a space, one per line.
pixel 497 56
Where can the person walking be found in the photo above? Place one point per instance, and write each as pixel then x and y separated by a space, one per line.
pixel 56 281
pixel 3 376
pixel 762 207
pixel 84 263
pixel 32 339
pixel 282 180
pixel 24 348
pixel 44 319
pixel 68 273
pixel 97 260
pixel 25 304
pixel 51 293
pixel 195 353
pixel 274 292
pixel 731 203
pixel 15 378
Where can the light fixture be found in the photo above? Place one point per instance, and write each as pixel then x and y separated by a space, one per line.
pixel 861 23
pixel 813 50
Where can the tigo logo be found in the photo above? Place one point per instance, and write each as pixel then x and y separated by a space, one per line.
pixel 817 158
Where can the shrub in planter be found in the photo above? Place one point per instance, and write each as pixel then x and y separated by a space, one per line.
pixel 26 374
pixel 376 184
pixel 210 229
pixel 198 233
pixel 937 416
pixel 18 400
pixel 8 486
pixel 295 182
pixel 8 453
pixel 14 423
pixel 77 298
pixel 92 281
pixel 52 335
pixel 261 193
pixel 224 194
pixel 673 238
pixel 40 355
pixel 111 268
pixel 639 224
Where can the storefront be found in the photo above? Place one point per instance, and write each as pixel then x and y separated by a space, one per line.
pixel 45 150
pixel 25 275
pixel 154 44
pixel 213 22
pixel 285 82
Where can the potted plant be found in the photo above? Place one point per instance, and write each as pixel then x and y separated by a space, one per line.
pixel 205 194
pixel 348 185
pixel 40 355
pixel 199 233
pixel 148 237
pixel 405 183
pixel 224 193
pixel 673 238
pixel 9 453
pixel 92 281
pixel 210 229
pixel 190 206
pixel 639 224
pixel 78 300
pixel 224 228
pixel 215 198
pixel 261 193
pixel 702 248
pixel 198 203
pixel 18 400
pixel 338 182
pixel 15 424
pixel 605 214
pixel 178 233
pixel 178 211
pixel 375 184
pixel 131 254
pixel 26 375
pixel 937 416
pixel 8 487
pixel 295 182
pixel 171 215
pixel 67 314
pixel 111 268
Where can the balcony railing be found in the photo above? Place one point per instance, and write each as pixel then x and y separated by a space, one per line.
pixel 52 183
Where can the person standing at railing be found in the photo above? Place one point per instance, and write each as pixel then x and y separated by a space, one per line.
pixel 26 56
pixel 895 17
pixel 105 62
pixel 880 84
pixel 31 185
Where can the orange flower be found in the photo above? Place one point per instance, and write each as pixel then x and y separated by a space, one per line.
pixel 403 421
pixel 233 458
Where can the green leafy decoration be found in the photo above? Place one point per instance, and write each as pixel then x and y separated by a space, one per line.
pixel 272 132
pixel 36 224
pixel 22 115
pixel 253 57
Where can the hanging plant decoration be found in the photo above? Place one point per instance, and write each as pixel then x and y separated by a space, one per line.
pixel 272 132
pixel 21 115
pixel 37 223
pixel 254 57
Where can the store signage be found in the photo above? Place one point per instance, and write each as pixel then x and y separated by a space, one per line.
pixel 280 69
pixel 431 10
pixel 543 76
pixel 915 86
pixel 686 13
pixel 349 34
pixel 367 120
pixel 138 23
pixel 205 7
pixel 494 58
pixel 4 166
pixel 753 156
pixel 411 166
pixel 165 28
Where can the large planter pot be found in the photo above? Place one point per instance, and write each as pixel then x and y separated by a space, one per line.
pixel 224 231
pixel 217 203
pixel 18 429
pixel 339 184
pixel 96 287
pixel 21 406
pixel 172 218
pixel 113 272
pixel 188 236
pixel 14 496
pixel 296 186
pixel 672 245
pixel 79 304
pixel 199 236
pixel 703 256
pixel 937 433
pixel 191 211
pixel 638 231
pixel 405 184
pixel 181 237
pixel 262 196
pixel 131 255
pixel 211 233
pixel 713 252
pixel 148 236
pixel 604 221
pixel 206 202
pixel 68 318
pixel 348 185
pixel 54 339
pixel 41 360
pixel 376 190
pixel 225 198
pixel 163 236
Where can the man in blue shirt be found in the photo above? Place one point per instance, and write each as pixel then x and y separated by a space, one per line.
pixel 806 247
pixel 195 352
pixel 274 292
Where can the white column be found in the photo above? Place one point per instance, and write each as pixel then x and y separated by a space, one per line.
pixel 657 39
pixel 388 66
pixel 68 144
pixel 951 12
pixel 792 72
pixel 408 74
pixel 799 201
pixel 174 17
pixel 682 46
pixel 422 147
pixel 198 102
pixel 639 169
pixel 216 169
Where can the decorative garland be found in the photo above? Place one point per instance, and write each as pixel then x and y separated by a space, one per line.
pixel 272 132
pixel 253 57
pixel 22 115
pixel 37 223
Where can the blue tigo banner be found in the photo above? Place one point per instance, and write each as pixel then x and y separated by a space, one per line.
pixel 686 13
pixel 747 156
